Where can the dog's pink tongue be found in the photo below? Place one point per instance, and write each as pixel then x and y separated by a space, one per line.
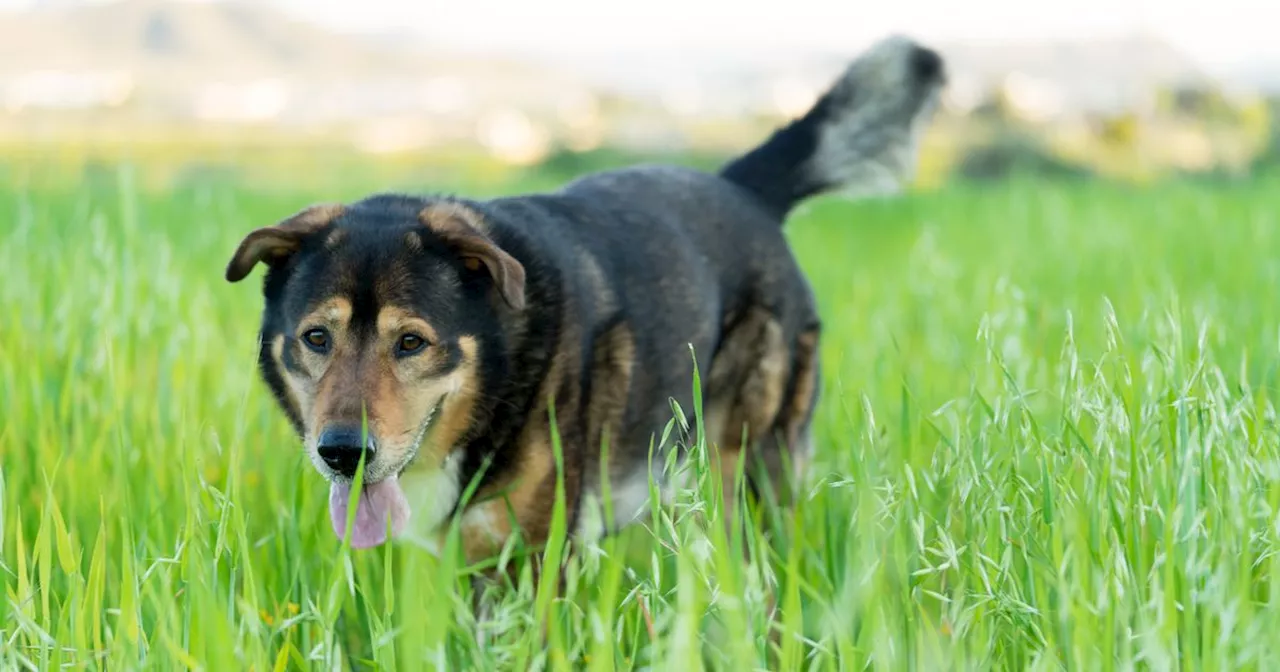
pixel 378 502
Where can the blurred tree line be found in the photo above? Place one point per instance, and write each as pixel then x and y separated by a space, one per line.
pixel 1185 132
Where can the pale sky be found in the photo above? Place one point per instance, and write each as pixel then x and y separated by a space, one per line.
pixel 1219 33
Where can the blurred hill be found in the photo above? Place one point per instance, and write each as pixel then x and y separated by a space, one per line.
pixel 161 41
pixel 1263 76
pixel 168 42
pixel 240 69
pixel 1102 74
pixel 241 62
pixel 162 45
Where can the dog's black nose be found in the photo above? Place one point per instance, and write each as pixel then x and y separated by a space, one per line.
pixel 926 64
pixel 342 447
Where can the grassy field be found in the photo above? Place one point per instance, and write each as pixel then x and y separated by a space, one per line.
pixel 1048 439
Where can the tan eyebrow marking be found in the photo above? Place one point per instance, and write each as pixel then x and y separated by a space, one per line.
pixel 394 318
pixel 335 311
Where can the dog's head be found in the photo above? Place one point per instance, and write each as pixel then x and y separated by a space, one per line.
pixel 379 319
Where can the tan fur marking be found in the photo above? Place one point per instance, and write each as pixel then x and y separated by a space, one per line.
pixel 404 402
pixel 293 395
pixel 319 216
pixel 276 242
pixel 593 277
pixel 319 384
pixel 334 313
pixel 335 238
pixel 390 405
pixel 337 395
pixel 456 417
pixel 437 216
pixel 534 488
pixel 529 493
pixel 393 321
pixel 450 400
pixel 746 385
pixel 728 458
pixel 526 498
pixel 463 229
pixel 800 405
pixel 761 394
pixel 747 379
pixel 613 358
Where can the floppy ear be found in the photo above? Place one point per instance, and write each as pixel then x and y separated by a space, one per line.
pixel 274 244
pixel 460 228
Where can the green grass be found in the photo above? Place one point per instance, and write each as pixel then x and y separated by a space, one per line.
pixel 1047 439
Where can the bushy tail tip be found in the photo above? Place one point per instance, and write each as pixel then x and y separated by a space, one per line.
pixel 861 135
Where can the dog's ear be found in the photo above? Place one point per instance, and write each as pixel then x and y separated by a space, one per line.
pixel 460 228
pixel 274 244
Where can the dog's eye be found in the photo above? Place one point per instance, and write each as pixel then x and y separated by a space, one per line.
pixel 410 344
pixel 317 340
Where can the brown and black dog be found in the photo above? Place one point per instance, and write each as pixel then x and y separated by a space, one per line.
pixel 428 335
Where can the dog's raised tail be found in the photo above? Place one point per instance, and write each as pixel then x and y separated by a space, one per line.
pixel 860 135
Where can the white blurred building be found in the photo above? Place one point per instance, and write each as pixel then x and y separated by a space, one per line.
pixel 65 90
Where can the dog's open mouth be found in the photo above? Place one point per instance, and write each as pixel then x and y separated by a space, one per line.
pixel 378 504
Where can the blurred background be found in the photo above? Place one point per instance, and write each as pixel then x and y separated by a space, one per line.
pixel 483 90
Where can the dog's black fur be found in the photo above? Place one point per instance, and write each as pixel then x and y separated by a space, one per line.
pixel 623 272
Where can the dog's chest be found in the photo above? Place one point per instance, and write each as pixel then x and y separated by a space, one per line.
pixel 431 495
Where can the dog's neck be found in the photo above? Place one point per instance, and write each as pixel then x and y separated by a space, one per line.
pixel 515 372
pixel 432 495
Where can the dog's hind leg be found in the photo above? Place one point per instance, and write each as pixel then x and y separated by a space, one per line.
pixel 745 391
pixel 786 449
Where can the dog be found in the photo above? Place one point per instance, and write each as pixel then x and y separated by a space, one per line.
pixel 425 341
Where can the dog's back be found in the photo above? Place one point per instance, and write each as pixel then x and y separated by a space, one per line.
pixel 860 136
pixel 679 258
